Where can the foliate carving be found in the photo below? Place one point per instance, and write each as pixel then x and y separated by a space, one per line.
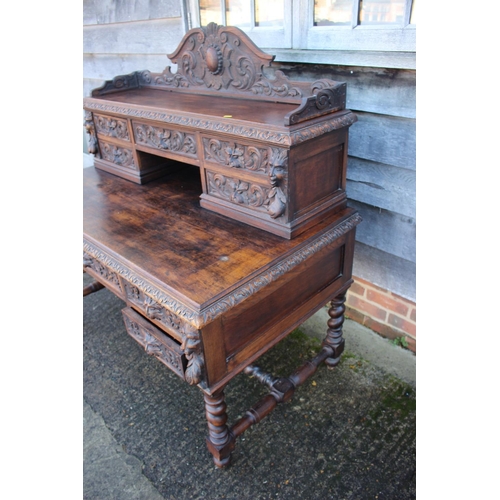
pixel 236 155
pixel 219 126
pixel 165 139
pixel 102 270
pixel 112 127
pixel 150 340
pixel 237 191
pixel 117 154
pixel 281 86
pixel 217 57
pixel 277 175
pixel 191 345
pixel 90 129
pixel 190 338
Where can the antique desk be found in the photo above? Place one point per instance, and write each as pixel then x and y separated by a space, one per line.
pixel 217 212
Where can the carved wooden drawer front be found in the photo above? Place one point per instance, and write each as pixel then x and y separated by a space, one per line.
pixel 237 155
pixel 154 341
pixel 117 154
pixel 110 126
pixel 164 318
pixel 102 273
pixel 247 194
pixel 164 139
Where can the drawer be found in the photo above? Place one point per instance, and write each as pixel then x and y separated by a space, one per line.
pixel 102 273
pixel 154 341
pixel 240 155
pixel 117 154
pixel 164 139
pixel 249 195
pixel 110 126
pixel 162 317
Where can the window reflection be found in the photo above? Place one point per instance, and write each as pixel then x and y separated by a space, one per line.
pixel 332 12
pixel 238 13
pixel 382 11
pixel 210 12
pixel 269 12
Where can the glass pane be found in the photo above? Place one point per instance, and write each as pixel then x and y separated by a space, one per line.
pixel 332 12
pixel 238 13
pixel 210 12
pixel 382 11
pixel 269 12
pixel 413 17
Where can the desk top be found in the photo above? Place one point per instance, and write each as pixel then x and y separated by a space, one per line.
pixel 191 259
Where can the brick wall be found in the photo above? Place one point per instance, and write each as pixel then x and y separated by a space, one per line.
pixel 384 312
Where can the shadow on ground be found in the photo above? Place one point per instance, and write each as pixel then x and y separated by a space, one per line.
pixel 348 433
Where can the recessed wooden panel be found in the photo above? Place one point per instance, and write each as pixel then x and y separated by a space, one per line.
pixel 306 281
pixel 317 177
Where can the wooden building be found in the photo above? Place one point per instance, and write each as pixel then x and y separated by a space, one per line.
pixel 370 46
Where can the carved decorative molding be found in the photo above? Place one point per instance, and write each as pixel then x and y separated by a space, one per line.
pixel 112 127
pixel 199 318
pixel 101 269
pixel 227 127
pixel 117 154
pixel 224 60
pixel 121 82
pixel 164 139
pixel 215 57
pixel 264 279
pixel 90 129
pixel 326 97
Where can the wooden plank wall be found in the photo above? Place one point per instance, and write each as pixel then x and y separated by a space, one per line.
pixel 129 35
pixel 381 173
pixel 121 37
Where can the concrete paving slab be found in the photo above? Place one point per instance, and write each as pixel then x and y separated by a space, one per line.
pixel 349 433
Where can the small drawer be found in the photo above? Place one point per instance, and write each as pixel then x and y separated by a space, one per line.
pixel 110 126
pixel 117 154
pixel 238 155
pixel 163 318
pixel 102 273
pixel 164 139
pixel 155 342
pixel 267 200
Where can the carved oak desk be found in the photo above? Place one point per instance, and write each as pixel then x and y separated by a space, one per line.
pixel 208 295
pixel 271 152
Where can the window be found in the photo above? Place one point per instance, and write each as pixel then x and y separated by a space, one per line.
pixel 314 30
pixel 267 22
pixel 368 25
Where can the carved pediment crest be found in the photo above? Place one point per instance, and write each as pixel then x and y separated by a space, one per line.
pixel 219 57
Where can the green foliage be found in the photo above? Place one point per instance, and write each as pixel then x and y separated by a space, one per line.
pixel 400 341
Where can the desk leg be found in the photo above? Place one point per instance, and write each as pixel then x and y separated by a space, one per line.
pixel 334 333
pixel 220 441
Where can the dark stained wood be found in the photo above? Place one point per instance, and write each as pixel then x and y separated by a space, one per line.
pixel 93 287
pixel 209 291
pixel 243 130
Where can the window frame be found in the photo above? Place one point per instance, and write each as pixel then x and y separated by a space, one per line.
pixel 375 45
pixel 262 36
